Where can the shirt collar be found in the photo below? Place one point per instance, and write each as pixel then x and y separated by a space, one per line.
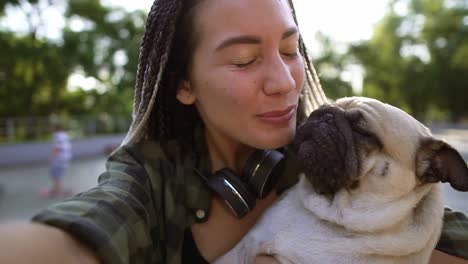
pixel 198 168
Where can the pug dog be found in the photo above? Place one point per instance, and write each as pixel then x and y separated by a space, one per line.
pixel 370 191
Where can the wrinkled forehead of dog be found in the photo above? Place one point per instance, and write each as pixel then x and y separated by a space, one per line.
pixel 384 120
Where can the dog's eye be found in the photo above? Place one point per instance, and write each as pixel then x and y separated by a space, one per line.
pixel 362 133
pixel 357 121
pixel 360 127
pixel 354 115
pixel 367 138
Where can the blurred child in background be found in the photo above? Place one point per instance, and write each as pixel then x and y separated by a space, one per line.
pixel 59 159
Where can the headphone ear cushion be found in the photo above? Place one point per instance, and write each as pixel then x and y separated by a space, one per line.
pixel 233 191
pixel 261 171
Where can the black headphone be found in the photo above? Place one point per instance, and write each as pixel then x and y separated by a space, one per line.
pixel 258 178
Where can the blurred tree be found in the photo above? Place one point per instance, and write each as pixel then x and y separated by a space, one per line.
pixel 4 3
pixel 97 41
pixel 384 65
pixel 330 64
pixel 32 70
pixel 445 33
pixel 415 61
pixel 32 73
pixel 106 48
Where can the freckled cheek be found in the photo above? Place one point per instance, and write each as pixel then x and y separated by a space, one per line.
pixel 238 92
pixel 239 98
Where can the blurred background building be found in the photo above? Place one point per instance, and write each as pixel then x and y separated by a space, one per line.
pixel 74 62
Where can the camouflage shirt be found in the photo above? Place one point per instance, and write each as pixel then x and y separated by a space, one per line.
pixel 150 193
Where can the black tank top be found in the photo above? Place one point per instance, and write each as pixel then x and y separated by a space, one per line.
pixel 190 253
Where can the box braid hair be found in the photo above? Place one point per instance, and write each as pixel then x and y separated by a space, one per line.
pixel 165 54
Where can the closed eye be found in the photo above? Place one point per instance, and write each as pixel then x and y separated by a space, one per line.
pixel 357 121
pixel 359 126
pixel 385 169
pixel 367 137
pixel 243 65
pixel 292 55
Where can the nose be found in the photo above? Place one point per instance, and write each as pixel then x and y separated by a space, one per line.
pixel 279 79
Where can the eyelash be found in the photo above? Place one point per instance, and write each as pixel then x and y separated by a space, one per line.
pixel 293 55
pixel 243 65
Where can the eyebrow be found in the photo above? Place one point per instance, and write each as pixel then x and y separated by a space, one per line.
pixel 247 39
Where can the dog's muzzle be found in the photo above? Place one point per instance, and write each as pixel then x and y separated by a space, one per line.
pixel 326 147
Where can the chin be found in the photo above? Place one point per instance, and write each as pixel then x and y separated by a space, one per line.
pixel 274 140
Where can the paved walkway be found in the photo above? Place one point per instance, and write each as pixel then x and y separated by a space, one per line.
pixel 19 197
pixel 36 152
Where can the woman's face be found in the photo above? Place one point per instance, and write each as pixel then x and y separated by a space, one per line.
pixel 246 73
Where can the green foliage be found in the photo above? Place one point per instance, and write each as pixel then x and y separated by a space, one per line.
pixel 108 51
pixel 34 72
pixel 446 34
pixel 330 64
pixel 4 3
pixel 396 71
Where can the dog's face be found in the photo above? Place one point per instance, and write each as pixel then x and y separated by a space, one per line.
pixel 363 145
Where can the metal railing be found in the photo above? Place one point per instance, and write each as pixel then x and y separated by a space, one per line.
pixel 40 128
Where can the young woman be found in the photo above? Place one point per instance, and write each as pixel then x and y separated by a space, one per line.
pixel 217 81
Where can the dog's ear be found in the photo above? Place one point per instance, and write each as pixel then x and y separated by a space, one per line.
pixel 438 161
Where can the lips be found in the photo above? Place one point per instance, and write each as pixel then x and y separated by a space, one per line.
pixel 279 117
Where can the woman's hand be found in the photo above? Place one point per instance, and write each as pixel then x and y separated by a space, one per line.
pixel 439 257
pixel 265 259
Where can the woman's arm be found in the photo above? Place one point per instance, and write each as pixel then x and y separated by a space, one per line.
pixel 25 242
pixel 439 257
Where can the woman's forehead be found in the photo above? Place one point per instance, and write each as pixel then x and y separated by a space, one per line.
pixel 224 18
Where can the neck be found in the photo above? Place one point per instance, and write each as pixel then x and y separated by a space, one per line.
pixel 226 152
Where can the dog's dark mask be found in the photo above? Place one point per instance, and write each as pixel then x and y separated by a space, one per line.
pixel 330 145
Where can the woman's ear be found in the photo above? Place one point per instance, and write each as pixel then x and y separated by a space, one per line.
pixel 185 93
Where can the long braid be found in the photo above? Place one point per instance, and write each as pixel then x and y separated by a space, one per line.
pixel 175 120
pixel 316 93
pixel 143 59
pixel 159 52
pixel 154 55
pixel 312 94
pixel 162 112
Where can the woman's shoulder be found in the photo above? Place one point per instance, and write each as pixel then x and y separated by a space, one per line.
pixel 151 160
pixel 145 151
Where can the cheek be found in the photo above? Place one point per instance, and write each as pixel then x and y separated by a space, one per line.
pixel 230 92
pixel 298 73
pixel 236 89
